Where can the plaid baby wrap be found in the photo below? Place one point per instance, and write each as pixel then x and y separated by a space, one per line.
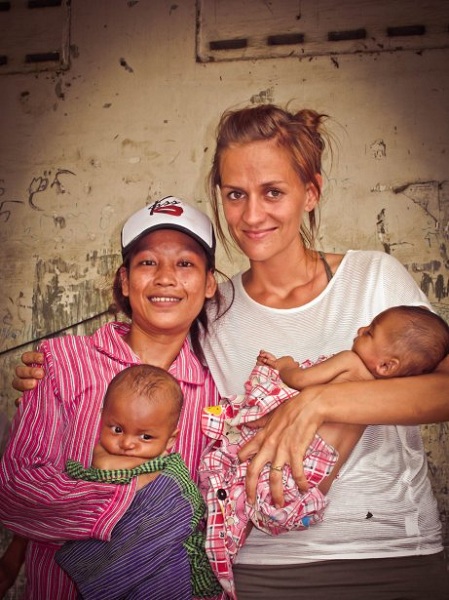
pixel 156 549
pixel 222 476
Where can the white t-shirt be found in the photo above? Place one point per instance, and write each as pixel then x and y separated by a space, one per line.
pixel 382 503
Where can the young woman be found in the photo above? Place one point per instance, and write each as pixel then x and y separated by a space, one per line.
pixel 166 277
pixel 381 534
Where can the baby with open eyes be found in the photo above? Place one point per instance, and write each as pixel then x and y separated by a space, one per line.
pixel 139 426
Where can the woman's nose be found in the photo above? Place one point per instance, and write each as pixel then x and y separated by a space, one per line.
pixel 253 212
pixel 165 275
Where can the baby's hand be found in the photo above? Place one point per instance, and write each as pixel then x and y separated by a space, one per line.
pixel 101 459
pixel 266 358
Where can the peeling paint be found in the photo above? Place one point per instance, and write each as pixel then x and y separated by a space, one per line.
pixel 63 293
pixel 58 91
pixel 59 222
pixel 263 97
pixel 378 149
pixel 432 266
pixel 379 187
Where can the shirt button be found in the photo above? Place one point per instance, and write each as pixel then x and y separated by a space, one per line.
pixel 221 494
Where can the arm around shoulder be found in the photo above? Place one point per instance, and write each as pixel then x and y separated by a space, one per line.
pixel 37 498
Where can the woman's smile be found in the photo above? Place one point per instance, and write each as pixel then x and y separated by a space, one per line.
pixel 164 299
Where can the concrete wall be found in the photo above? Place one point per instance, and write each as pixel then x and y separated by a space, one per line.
pixel 133 118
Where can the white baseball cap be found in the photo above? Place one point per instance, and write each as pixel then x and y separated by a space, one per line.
pixel 170 213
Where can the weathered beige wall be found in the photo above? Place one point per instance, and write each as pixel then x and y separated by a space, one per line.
pixel 133 119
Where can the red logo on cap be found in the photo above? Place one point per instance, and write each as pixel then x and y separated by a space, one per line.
pixel 167 207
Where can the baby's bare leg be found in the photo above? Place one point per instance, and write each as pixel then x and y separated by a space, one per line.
pixel 343 437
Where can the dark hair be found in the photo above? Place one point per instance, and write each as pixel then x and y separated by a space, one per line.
pixel 302 134
pixel 122 304
pixel 148 380
pixel 423 339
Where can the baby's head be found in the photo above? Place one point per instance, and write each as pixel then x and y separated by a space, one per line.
pixel 141 412
pixel 403 341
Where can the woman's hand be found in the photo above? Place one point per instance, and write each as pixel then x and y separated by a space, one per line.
pixel 283 439
pixel 26 377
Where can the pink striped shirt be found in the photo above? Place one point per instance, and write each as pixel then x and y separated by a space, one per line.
pixel 60 420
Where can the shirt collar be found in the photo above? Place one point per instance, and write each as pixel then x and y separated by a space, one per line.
pixel 186 367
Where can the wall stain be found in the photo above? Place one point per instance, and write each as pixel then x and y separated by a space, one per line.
pixel 383 234
pixel 378 149
pixel 263 97
pixel 58 91
pixel 65 292
pixel 74 51
pixel 432 197
pixel 126 66
pixel 433 266
pixel 59 222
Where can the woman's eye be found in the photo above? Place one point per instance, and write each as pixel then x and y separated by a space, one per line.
pixel 185 263
pixel 147 262
pixel 274 193
pixel 235 195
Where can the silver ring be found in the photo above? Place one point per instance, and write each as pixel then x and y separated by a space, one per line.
pixel 273 468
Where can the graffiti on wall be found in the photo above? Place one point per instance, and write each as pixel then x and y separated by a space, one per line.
pixel 48 180
pixel 59 286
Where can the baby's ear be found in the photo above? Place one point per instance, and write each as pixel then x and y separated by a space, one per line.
pixel 388 367
pixel 172 439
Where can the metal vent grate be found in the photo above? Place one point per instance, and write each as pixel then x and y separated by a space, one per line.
pixel 34 35
pixel 250 29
